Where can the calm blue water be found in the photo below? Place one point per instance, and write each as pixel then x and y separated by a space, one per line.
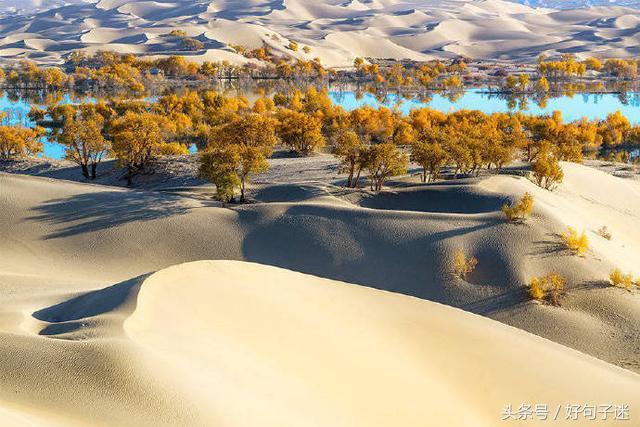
pixel 591 106
pixel 17 113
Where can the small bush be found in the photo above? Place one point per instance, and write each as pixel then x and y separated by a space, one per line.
pixel 621 280
pixel 462 266
pixel 604 232
pixel 549 288
pixel 576 243
pixel 536 289
pixel 519 211
pixel 547 172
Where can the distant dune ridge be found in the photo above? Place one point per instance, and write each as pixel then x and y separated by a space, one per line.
pixel 90 335
pixel 336 30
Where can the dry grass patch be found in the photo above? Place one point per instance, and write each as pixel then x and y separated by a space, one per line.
pixel 621 280
pixel 462 266
pixel 519 211
pixel 549 288
pixel 576 243
pixel 604 232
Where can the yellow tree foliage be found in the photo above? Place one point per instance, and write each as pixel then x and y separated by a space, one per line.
pixel 548 288
pixel 249 141
pixel 463 266
pixel 614 129
pixel 384 161
pixel 301 132
pixel 18 141
pixel 547 171
pixel 219 165
pixel 542 85
pixel 431 156
pixel 140 137
pixel 82 135
pixel 521 210
pixel 593 64
pixel 576 243
pixel 621 280
pixel 349 148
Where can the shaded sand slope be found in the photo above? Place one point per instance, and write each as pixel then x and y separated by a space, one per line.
pixel 228 343
pixel 90 236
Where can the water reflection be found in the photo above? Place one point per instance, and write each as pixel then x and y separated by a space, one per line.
pixel 573 104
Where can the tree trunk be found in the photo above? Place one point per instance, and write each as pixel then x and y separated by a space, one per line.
pixel 355 182
pixel 94 167
pixel 242 189
pixel 424 174
pixel 350 179
pixel 85 171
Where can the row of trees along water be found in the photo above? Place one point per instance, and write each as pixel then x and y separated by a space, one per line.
pixel 235 137
pixel 113 71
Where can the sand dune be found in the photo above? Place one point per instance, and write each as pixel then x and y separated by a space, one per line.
pixel 337 31
pixel 248 345
pixel 400 241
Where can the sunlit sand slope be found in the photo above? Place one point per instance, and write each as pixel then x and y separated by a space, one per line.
pixel 230 343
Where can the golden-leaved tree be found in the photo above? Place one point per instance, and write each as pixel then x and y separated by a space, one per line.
pixel 18 141
pixel 140 137
pixel 384 161
pixel 238 149
pixel 82 134
pixel 349 150
pixel 429 152
pixel 301 132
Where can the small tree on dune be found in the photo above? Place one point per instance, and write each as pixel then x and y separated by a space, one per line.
pixel 621 280
pixel 384 161
pixel 349 148
pixel 83 136
pixel 241 148
pixel 548 288
pixel 547 171
pixel 219 165
pixel 576 243
pixel 463 266
pixel 519 211
pixel 140 137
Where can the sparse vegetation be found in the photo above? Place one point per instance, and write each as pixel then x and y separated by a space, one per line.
pixel 547 172
pixel 576 243
pixel 549 288
pixel 463 266
pixel 521 210
pixel 604 232
pixel 621 280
